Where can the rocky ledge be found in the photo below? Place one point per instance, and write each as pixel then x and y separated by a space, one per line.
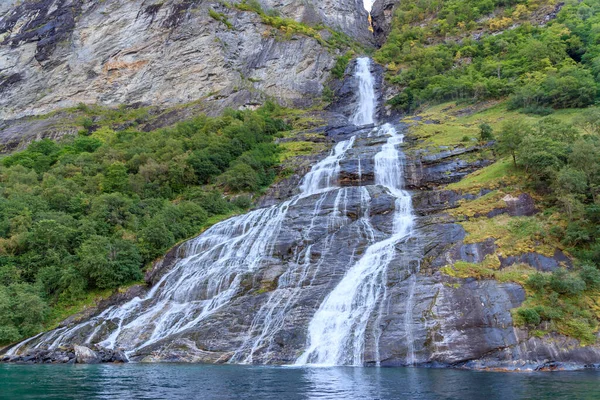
pixel 68 355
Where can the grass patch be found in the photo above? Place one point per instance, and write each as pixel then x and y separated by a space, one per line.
pixel 512 235
pixel 300 148
pixel 480 206
pixel 483 270
pixel 446 125
pixel 499 174
pixel 63 309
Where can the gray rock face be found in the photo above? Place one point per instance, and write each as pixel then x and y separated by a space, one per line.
pixel 347 16
pixel 55 54
pixel 381 17
pixel 67 355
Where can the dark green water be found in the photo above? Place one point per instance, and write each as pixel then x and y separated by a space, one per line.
pixel 142 381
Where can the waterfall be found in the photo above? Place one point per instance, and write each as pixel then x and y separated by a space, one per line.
pixel 337 331
pixel 214 266
pixel 206 280
pixel 365 112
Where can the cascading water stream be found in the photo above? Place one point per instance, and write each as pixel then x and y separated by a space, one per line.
pixel 338 329
pixel 200 284
pixel 365 112
pixel 211 274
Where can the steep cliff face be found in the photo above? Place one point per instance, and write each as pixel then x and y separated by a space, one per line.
pixel 57 53
pixel 348 16
pixel 381 19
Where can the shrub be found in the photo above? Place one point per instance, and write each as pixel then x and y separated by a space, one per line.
pixel 341 63
pixel 486 132
pixel 240 177
pixel 108 263
pixel 591 276
pixel 529 315
pixel 565 283
pixel 537 281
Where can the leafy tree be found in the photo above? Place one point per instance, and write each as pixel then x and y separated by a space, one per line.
pixel 589 120
pixel 22 312
pixel 511 136
pixel 241 177
pixel 108 263
pixel 486 133
pixel 115 179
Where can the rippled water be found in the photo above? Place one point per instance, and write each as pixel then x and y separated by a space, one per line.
pixel 161 381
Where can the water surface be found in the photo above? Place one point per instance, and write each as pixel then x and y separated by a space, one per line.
pixel 183 381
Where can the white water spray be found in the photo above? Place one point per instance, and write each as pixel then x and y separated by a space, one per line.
pixel 365 112
pixel 210 276
pixel 337 332
pixel 206 280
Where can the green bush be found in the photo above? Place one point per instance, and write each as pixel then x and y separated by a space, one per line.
pixel 486 132
pixel 341 63
pixel 566 283
pixel 591 276
pixel 108 263
pixel 537 282
pixel 241 177
pixel 530 316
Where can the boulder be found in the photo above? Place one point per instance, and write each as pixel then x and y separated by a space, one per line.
pixel 85 355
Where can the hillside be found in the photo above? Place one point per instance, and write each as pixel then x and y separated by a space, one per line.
pixel 513 85
pixel 454 221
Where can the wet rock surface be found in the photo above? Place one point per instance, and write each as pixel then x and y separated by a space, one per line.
pixel 462 323
pixel 381 17
pixel 67 355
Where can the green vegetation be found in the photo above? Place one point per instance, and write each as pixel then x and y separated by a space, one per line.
pixel 220 17
pixel 83 216
pixel 564 302
pixel 288 27
pixel 341 63
pixel 432 56
pixel 556 159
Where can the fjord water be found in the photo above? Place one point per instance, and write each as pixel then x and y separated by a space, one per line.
pixel 207 382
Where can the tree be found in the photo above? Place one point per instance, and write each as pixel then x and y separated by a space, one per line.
pixel 486 133
pixel 589 120
pixel 108 263
pixel 241 177
pixel 203 167
pixel 555 129
pixel 585 156
pixel 511 136
pixel 22 312
pixel 115 178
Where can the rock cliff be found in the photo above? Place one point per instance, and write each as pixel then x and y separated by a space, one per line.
pixel 58 53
